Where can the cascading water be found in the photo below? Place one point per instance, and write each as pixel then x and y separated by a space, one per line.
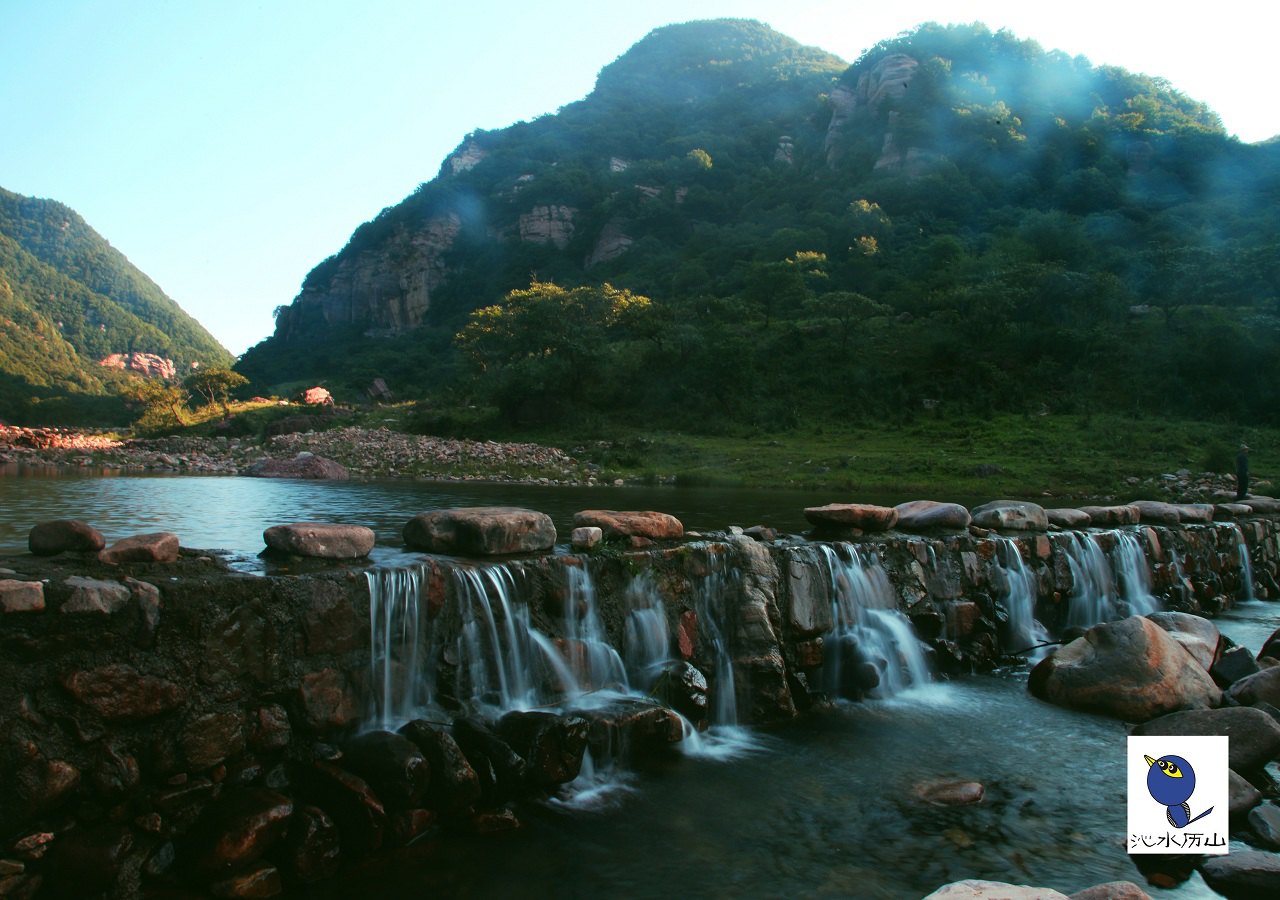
pixel 1093 587
pixel 1133 574
pixel 599 666
pixel 870 634
pixel 710 596
pixel 1019 589
pixel 399 650
pixel 646 638
pixel 1246 565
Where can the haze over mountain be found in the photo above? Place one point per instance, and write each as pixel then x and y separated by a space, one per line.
pixel 959 218
pixel 70 301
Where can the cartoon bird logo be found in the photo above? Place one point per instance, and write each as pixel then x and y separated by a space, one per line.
pixel 1171 781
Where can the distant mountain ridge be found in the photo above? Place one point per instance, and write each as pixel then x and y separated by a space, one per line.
pixel 955 194
pixel 69 301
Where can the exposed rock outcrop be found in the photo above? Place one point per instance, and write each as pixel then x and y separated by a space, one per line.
pixel 548 225
pixel 149 364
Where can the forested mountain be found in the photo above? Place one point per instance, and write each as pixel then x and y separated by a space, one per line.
pixel 68 300
pixel 734 228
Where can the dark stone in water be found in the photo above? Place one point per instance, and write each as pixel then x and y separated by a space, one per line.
pixel 551 745
pixel 683 688
pixel 393 766
pixel 1254 735
pixel 492 756
pixel 237 829
pixel 263 880
pixel 64 536
pixel 360 815
pixel 1249 874
pixel 313 849
pixel 88 859
pixel 454 784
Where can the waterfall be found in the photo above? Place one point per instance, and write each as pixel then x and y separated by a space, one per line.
pixel 646 638
pixel 1019 596
pixel 1093 587
pixel 872 648
pixel 1133 574
pixel 405 688
pixel 710 594
pixel 1246 565
pixel 599 665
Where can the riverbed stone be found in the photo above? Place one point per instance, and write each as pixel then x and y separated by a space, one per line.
pixel 21 596
pixel 1068 518
pixel 95 596
pixel 1271 646
pixel 312 848
pixel 1245 874
pixel 1254 735
pixel 950 793
pixel 44 784
pixel 236 829
pixel 1229 511
pixel 1112 890
pixel 392 765
pixel 88 860
pixel 258 881
pixel 1010 515
pixel 974 889
pixel 1194 513
pixel 304 465
pixel 862 516
pixel 454 784
pixel 1241 795
pixel 64 536
pixel 656 526
pixel 121 692
pixel 1131 669
pixel 586 537
pixel 1234 664
pixel 1155 512
pixel 328 700
pixel 320 540
pixel 209 739
pixel 481 531
pixel 551 745
pixel 1264 819
pixel 1262 687
pixel 809 593
pixel 1197 635
pixel 932 515
pixel 1261 505
pixel 355 807
pixel 1110 516
pixel 157 547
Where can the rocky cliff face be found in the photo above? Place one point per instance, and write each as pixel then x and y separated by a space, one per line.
pixel 149 364
pixel 856 107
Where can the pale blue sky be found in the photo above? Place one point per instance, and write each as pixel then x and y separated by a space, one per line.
pixel 227 146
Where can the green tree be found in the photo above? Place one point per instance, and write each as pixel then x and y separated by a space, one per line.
pixel 214 385
pixel 163 405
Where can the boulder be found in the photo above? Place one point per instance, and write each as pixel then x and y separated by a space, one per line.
pixel 551 745
pixel 392 765
pixel 481 531
pixel 1261 505
pixel 1254 735
pixel 1234 664
pixel 121 692
pixel 1271 646
pixel 1261 687
pixel 64 536
pixel 94 596
pixel 586 538
pixel 357 810
pixel 1265 822
pixel 21 596
pixel 320 540
pixel 1228 511
pixel 1242 796
pixel 931 515
pixel 973 889
pixel 1131 669
pixel 950 793
pixel 312 850
pixel 1068 518
pixel 1112 890
pixel 1196 634
pixel 304 465
pixel 1109 516
pixel 1154 512
pixel 454 784
pixel 852 515
pixel 656 526
pixel 1011 515
pixel 1248 873
pixel 1194 513
pixel 237 829
pixel 160 546
pixel 682 687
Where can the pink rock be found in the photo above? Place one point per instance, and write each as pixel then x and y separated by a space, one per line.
pixel 64 535
pixel 121 692
pixel 21 596
pixel 162 546
pixel 852 515
pixel 481 531
pixel 320 540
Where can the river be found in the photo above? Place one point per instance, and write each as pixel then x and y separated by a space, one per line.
pixel 821 808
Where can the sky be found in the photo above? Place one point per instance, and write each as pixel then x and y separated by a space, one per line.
pixel 228 146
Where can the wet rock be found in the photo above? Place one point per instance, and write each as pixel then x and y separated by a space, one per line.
pixel 304 465
pixel 931 515
pixel 122 692
pixel 261 880
pixel 64 536
pixel 21 596
pixel 1265 822
pixel 1262 687
pixel 683 688
pixel 1197 635
pixel 1112 890
pixel 1229 511
pixel 313 847
pixel 1242 796
pixel 319 540
pixel 393 766
pixel 501 771
pixel 972 889
pixel 551 745
pixel 94 596
pixel 863 516
pixel 183 803
pixel 1068 518
pixel 210 739
pixel 481 531
pixel 1131 669
pixel 359 814
pixel 45 784
pixel 1153 512
pixel 1243 874
pixel 493 821
pixel 88 859
pixel 1010 515
pixel 1234 664
pixel 950 793
pixel 454 784
pixel 158 547
pixel 687 634
pixel 410 825
pixel 1254 735
pixel 1194 513
pixel 1108 516
pixel 808 590
pixel 148 597
pixel 237 829
pixel 269 729
pixel 1261 505
pixel 656 526
pixel 641 727
pixel 586 537
pixel 115 773
pixel 1271 646
pixel 328 700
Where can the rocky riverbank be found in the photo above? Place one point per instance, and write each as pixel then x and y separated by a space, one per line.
pixel 376 452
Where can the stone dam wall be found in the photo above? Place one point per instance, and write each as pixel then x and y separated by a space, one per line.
pixel 181 725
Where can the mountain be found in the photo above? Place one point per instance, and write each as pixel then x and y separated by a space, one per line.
pixel 958 220
pixel 71 308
